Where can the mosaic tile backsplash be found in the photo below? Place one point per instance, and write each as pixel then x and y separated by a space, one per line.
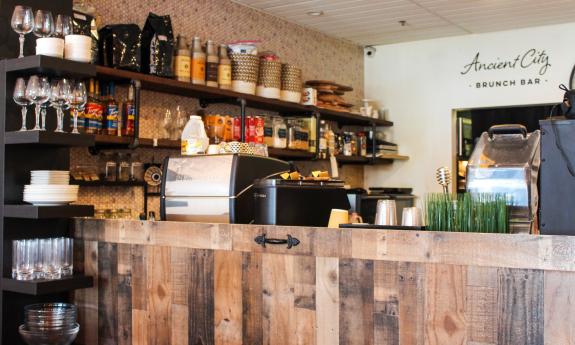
pixel 319 56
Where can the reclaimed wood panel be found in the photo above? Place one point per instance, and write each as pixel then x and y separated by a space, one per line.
pixel 356 302
pixel 559 308
pixel 228 298
pixel 386 302
pixel 327 300
pixel 201 299
pixel 146 293
pixel 107 294
pixel 252 299
pixel 278 299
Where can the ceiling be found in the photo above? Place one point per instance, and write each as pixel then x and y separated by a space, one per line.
pixel 373 22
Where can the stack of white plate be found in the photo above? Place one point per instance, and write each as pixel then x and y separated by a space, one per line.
pixel 50 187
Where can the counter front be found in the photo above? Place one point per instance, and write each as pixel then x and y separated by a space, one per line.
pixel 192 283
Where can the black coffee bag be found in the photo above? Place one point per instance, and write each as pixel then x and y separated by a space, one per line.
pixel 158 46
pixel 120 46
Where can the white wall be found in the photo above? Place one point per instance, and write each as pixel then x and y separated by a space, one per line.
pixel 420 83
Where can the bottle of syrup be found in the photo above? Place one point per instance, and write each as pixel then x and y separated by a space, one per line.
pixel 224 69
pixel 198 63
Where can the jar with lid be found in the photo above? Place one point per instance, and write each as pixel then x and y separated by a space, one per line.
pixel 198 63
pixel 303 135
pixel 347 144
pixel 280 133
pixel 362 139
pixel 110 167
pixel 269 130
pixel 136 169
pixel 354 144
pixel 124 167
pixel 292 139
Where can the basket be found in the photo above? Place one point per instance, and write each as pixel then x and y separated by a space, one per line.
pixel 245 68
pixel 291 83
pixel 269 79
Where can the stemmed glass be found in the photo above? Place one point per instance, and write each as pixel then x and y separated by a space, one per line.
pixel 77 99
pixel 23 23
pixel 20 98
pixel 63 26
pixel 38 91
pixel 43 24
pixel 59 97
pixel 44 106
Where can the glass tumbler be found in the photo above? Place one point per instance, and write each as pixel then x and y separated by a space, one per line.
pixel 26 259
pixel 67 245
pixel 54 259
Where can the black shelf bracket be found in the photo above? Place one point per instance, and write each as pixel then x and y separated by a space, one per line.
pixel 137 101
pixel 242 102
pixel 373 143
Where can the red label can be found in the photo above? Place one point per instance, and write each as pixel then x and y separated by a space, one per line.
pixel 237 129
pixel 251 132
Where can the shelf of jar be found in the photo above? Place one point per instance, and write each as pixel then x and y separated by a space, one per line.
pixel 43 287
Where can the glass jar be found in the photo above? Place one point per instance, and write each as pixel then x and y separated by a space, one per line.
pixel 292 141
pixel 303 135
pixel 110 168
pixel 124 167
pixel 354 144
pixel 99 214
pixel 269 130
pixel 137 169
pixel 362 144
pixel 279 133
pixel 347 144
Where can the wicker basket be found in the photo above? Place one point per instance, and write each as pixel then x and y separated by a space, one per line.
pixel 245 69
pixel 291 83
pixel 269 79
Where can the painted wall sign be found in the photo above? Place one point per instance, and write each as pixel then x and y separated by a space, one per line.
pixel 528 68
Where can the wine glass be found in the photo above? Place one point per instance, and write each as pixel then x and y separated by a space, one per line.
pixel 45 105
pixel 43 24
pixel 22 23
pixel 59 98
pixel 77 99
pixel 63 26
pixel 20 98
pixel 38 91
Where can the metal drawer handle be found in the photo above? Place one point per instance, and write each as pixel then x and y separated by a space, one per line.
pixel 291 241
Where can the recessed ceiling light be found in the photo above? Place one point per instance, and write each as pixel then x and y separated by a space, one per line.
pixel 315 13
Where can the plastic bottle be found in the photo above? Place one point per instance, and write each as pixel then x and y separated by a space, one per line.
pixel 224 69
pixel 212 61
pixel 194 137
pixel 198 63
pixel 183 60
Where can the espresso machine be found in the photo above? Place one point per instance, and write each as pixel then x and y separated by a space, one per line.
pixel 214 188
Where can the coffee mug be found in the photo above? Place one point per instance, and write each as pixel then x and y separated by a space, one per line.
pixel 309 96
pixel 338 217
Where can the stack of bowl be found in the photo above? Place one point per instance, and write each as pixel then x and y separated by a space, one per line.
pixel 291 83
pixel 245 68
pixel 49 323
pixel 78 48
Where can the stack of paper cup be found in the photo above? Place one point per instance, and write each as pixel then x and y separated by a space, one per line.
pixel 78 48
pixel 50 46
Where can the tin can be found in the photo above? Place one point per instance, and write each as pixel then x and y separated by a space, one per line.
pixel 309 96
pixel 237 128
pixel 251 130
pixel 259 130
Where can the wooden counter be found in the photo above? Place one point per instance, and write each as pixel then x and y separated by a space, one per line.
pixel 196 284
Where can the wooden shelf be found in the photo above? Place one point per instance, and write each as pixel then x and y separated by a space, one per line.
pixel 109 140
pixel 103 183
pixel 47 138
pixel 216 95
pixel 341 159
pixel 43 287
pixel 290 154
pixel 396 157
pixel 45 212
pixel 50 66
pixel 347 118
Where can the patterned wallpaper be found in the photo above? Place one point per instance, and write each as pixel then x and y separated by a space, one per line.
pixel 319 57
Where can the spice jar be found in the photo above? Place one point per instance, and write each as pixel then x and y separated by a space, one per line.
pixel 110 171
